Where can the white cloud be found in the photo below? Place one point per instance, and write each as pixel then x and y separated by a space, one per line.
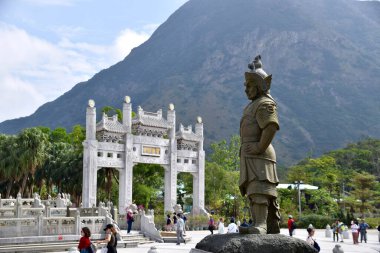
pixel 126 41
pixel 34 71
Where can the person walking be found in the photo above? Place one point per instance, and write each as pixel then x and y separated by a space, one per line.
pixel 378 229
pixel 363 230
pixel 355 231
pixel 341 228
pixel 334 227
pixel 211 225
pixel 291 225
pixel 110 239
pixel 220 226
pixel 180 225
pixel 184 221
pixel 168 223
pixel 130 220
pixel 84 242
pixel 174 221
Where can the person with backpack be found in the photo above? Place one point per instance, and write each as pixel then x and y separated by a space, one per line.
pixel 291 225
pixel 85 245
pixel 310 240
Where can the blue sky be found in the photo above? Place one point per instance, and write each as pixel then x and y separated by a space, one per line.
pixel 48 46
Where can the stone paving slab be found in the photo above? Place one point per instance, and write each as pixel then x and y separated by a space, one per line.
pixel 327 244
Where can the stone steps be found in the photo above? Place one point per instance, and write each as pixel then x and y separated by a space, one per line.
pixel 171 237
pixel 127 241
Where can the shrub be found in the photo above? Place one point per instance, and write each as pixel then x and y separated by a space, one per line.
pixel 373 222
pixel 318 221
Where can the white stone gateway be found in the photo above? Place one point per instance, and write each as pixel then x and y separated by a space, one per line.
pixel 147 138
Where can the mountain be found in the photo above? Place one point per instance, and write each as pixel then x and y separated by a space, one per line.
pixel 324 56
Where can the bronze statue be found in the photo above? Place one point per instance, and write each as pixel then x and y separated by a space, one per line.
pixel 258 175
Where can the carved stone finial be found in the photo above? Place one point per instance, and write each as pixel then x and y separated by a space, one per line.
pixel 91 103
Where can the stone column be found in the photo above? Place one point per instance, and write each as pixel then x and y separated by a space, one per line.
pixel 171 170
pixel 126 176
pixel 199 178
pixel 127 114
pixel 90 156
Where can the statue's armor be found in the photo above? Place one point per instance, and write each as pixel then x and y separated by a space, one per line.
pixel 260 168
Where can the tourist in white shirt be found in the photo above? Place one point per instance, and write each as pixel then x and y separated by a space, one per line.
pixel 180 227
pixel 221 226
pixel 232 227
pixel 355 232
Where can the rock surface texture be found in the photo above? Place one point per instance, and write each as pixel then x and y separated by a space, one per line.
pixel 237 243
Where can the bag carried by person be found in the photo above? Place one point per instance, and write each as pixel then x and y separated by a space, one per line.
pixel 104 250
pixel 294 225
pixel 93 248
pixel 316 246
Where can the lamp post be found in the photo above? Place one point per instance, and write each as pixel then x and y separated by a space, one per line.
pixel 299 197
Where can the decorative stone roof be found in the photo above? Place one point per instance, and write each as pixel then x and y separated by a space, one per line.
pixel 110 124
pixel 150 119
pixel 186 133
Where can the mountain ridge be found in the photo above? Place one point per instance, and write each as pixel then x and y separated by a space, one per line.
pixel 324 61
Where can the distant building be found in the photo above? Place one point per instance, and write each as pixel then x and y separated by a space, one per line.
pixel 295 186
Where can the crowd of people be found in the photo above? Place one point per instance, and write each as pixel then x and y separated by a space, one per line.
pixel 177 223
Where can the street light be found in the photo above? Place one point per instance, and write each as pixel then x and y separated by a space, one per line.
pixel 299 196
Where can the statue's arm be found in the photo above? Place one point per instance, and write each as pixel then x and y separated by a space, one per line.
pixel 267 136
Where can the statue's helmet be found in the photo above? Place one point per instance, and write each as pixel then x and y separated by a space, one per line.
pixel 258 75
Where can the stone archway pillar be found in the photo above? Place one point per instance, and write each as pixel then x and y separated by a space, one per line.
pixel 90 156
pixel 199 177
pixel 199 185
pixel 126 176
pixel 126 173
pixel 171 170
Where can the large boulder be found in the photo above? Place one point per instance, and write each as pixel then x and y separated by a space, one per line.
pixel 249 243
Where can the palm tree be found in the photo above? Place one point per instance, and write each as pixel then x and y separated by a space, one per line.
pixel 32 151
pixel 10 169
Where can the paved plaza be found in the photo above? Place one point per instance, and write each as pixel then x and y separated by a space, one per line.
pixel 373 245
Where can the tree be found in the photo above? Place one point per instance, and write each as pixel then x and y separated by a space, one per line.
pixel 32 144
pixel 10 169
pixel 226 154
pixel 148 182
pixel 365 185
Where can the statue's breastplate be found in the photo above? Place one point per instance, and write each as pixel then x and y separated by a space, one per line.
pixel 250 131
pixel 249 127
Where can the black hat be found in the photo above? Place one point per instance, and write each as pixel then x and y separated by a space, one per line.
pixel 109 226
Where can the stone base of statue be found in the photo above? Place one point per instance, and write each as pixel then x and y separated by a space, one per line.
pixel 248 243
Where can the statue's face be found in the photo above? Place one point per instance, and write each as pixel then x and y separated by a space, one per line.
pixel 251 90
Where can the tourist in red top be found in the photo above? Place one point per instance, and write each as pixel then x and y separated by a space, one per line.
pixel 291 225
pixel 84 242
